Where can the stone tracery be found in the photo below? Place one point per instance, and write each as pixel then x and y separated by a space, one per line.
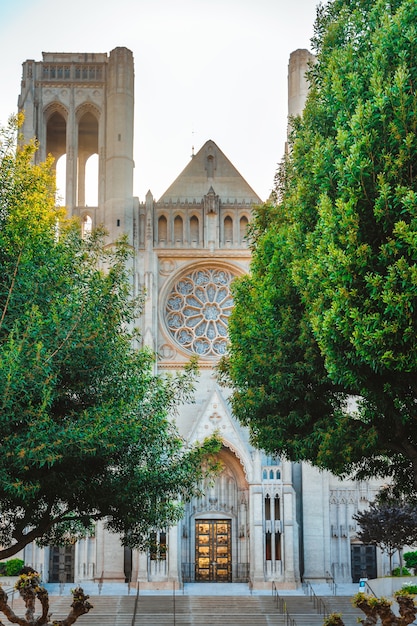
pixel 197 311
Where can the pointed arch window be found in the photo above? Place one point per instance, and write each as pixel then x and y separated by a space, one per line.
pixel 194 230
pixel 228 230
pixel 87 183
pixel 277 512
pixel 162 229
pixel 60 179
pixel 178 230
pixel 267 507
pixel 210 166
pixel 86 226
pixel 243 229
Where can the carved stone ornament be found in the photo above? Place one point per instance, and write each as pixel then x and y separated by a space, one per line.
pixel 197 311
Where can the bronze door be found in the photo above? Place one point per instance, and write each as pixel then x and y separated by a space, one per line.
pixel 61 564
pixel 213 551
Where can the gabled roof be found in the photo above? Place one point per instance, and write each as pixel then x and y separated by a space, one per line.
pixel 210 168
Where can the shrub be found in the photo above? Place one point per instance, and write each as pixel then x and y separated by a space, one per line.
pixel 401 571
pixel 410 559
pixel 408 588
pixel 13 567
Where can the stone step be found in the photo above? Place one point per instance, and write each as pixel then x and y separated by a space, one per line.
pixel 343 605
pixel 209 610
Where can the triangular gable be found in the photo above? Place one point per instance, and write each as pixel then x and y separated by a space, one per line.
pixel 210 168
pixel 215 417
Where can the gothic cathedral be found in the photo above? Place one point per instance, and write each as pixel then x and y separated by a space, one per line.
pixel 264 518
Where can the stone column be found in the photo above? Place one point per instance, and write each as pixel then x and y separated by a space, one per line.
pixel 290 537
pixel 143 567
pixel 256 537
pixel 173 560
pixel 316 522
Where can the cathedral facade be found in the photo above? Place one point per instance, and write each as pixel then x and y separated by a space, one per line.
pixel 264 519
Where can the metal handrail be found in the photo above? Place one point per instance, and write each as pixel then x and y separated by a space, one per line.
pixel 369 590
pixel 173 601
pixel 135 607
pixel 318 603
pixel 282 606
pixel 333 584
pixel 250 585
pixel 11 591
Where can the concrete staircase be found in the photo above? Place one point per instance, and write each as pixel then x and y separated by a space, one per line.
pixel 302 610
pixel 158 610
pixel 107 611
pixel 343 605
pixel 208 611
pixel 200 610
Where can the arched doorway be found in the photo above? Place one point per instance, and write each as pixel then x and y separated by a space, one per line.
pixel 215 541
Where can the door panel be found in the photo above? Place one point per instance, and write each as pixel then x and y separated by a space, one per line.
pixel 61 564
pixel 363 562
pixel 213 558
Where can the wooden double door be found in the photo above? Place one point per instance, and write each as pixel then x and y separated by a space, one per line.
pixel 213 547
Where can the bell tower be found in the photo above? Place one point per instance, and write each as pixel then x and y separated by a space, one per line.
pixel 80 107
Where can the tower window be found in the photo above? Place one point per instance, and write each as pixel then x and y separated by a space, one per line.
pixel 243 228
pixel 178 230
pixel 210 166
pixel 194 234
pixel 162 230
pixel 228 230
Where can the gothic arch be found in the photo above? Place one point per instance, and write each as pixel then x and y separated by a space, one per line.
pixel 243 228
pixel 87 107
pixel 162 229
pixel 228 227
pixel 238 455
pixel 55 107
pixel 178 228
pixel 87 224
pixel 56 120
pixel 194 229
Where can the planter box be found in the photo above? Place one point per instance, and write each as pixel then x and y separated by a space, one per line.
pixel 8 581
pixel 388 586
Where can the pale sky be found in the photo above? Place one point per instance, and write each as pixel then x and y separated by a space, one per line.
pixel 204 69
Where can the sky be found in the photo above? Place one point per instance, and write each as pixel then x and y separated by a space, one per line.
pixel 204 69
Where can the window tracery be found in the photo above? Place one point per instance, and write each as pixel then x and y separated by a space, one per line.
pixel 197 311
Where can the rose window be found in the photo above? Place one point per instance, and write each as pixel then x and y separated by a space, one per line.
pixel 197 311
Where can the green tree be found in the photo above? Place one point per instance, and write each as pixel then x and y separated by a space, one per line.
pixel 390 523
pixel 30 590
pixel 85 427
pixel 410 559
pixel 333 283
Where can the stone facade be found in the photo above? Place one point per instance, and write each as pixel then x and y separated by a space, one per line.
pixel 264 518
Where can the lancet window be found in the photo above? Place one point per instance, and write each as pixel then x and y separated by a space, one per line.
pixel 273 529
